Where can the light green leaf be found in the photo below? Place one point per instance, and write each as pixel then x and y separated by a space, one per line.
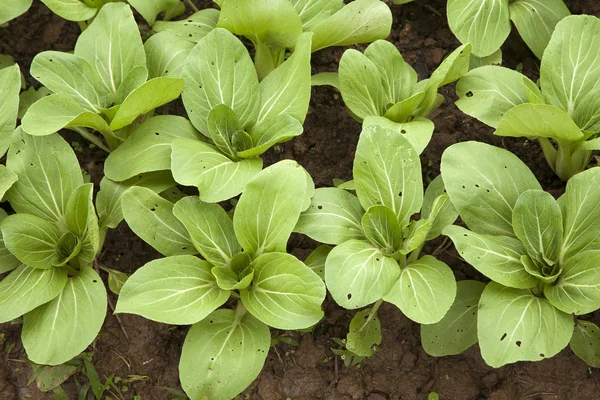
pixel 8 261
pixel 418 131
pixel 210 229
pixel 497 257
pixel 484 24
pixel 424 291
pixel 149 9
pixel 326 79
pixel 61 329
pixel 418 231
pixel 285 293
pixel 199 164
pixel 360 85
pixel 361 21
pixel 514 325
pixel 270 206
pixel 212 352
pixel 387 173
pixel 269 132
pixel 402 111
pixel 484 183
pixel 540 269
pixel 30 96
pixel 364 334
pixel 27 288
pixel 316 259
pixel 333 217
pixel 67 248
pixel 151 218
pixel 7 179
pixel 442 214
pixel 72 10
pixel 313 12
pixel 193 28
pixel 535 20
pixel 222 125
pixel 166 53
pixel 116 279
pixel 457 331
pixel 176 290
pixel 382 229
pixel 10 86
pixel 227 279
pixel 82 221
pixel 585 343
pixel 493 59
pixel 133 80
pixel 357 274
pixel 454 67
pixel 11 9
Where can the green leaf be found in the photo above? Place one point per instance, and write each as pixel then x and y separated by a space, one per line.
pixel 166 53
pixel 442 214
pixel 488 92
pixel 8 261
pixel 224 347
pixel 199 164
pixel 269 132
pixel 585 343
pixel 360 85
pixel 210 229
pixel 116 280
pixel 113 46
pixel 424 291
pixel 454 67
pixel 176 290
pixel 387 173
pixel 535 20
pixel 82 221
pixel 149 9
pixel 72 10
pixel 10 86
pixel 357 274
pixel 151 218
pixel 540 269
pixel 7 179
pixel 568 74
pixel 497 257
pixel 457 331
pixel 334 216
pixel 26 288
pixel 12 9
pixel 364 335
pixel 404 110
pixel 270 206
pixel 577 290
pixel 30 96
pixel 316 259
pixel 80 308
pixel 514 325
pixel 48 378
pixel 417 131
pixel 382 229
pixel 537 222
pixel 67 248
pixel 148 148
pixel 193 28
pixel 285 293
pixel 493 59
pixel 416 235
pixel 484 183
pixel 485 24
pixel 227 279
pixel 220 71
pixel 313 12
pixel 222 125
pixel 361 21
pixel 152 94
pixel 326 79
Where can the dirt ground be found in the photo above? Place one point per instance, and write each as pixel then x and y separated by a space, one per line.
pixel 401 370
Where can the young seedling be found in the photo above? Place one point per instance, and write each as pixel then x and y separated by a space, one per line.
pixel 379 87
pixel 486 24
pixel 49 244
pixel 103 86
pixel 377 253
pixel 276 25
pixel 564 116
pixel 11 9
pixel 244 262
pixel 542 254
pixel 239 117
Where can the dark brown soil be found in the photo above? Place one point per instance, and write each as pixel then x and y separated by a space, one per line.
pixel 401 370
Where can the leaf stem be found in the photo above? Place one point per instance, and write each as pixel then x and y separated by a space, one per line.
pixel 90 137
pixel 414 255
pixel 373 313
pixel 240 311
pixel 192 5
pixel 82 25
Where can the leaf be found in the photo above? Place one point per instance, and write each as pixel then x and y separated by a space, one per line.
pixel 443 214
pixel 387 173
pixel 493 59
pixel 116 280
pixel 333 217
pixel 112 45
pixel 151 218
pixel 577 290
pixel 176 290
pixel 424 291
pixel 149 9
pixel 326 79
pixel 535 20
pixel 224 347
pixel 269 208
pixel 454 67
pixel 484 183
pixel 568 74
pixel 220 71
pixel 418 131
pixel 8 261
pixel 10 86
pixel 199 164
pixel 7 179
pixel 485 24
pixel 210 229
pixel 585 343
pixel 285 293
pixel 316 260
pixel 222 126
pixel 364 335
pixel 80 308
pixel 192 29
pixel 11 9
pixel 148 148
pixel 227 279
pixel 152 94
pixel 313 12
pixel 488 92
pixel 48 378
pixel 382 229
pixel 26 288
pixel 72 10
pixel 514 325
pixel 357 274
pixel 361 21
pixel 82 222
pixel 30 96
pixel 497 257
pixel 273 130
pixel 166 53
pixel 457 331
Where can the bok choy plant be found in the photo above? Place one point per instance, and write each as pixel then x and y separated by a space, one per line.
pixel 542 255
pixel 11 9
pixel 377 253
pixel 239 117
pixel 244 266
pixel 564 116
pixel 103 86
pixel 485 24
pixel 50 244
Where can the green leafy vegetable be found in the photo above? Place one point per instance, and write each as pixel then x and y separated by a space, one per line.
pixel 11 9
